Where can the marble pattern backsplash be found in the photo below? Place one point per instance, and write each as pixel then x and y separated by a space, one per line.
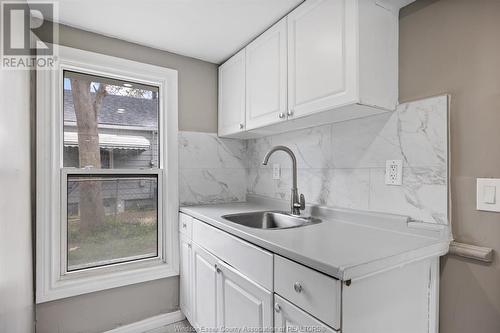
pixel 341 164
pixel 211 169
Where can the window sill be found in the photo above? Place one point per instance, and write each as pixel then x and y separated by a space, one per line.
pixel 68 286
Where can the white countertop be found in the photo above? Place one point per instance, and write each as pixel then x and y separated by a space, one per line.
pixel 346 245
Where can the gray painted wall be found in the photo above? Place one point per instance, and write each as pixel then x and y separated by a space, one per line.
pixel 16 265
pixel 452 46
pixel 101 311
pixel 105 310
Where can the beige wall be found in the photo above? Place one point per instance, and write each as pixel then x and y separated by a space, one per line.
pixel 100 311
pixel 453 46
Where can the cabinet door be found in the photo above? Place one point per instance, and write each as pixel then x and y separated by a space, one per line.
pixel 322 56
pixel 266 77
pixel 204 310
pixel 232 95
pixel 289 318
pixel 241 302
pixel 186 299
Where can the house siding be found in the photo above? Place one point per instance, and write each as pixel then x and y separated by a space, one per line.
pixel 126 192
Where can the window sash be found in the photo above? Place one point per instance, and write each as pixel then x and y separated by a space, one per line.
pixel 161 256
pixel 52 284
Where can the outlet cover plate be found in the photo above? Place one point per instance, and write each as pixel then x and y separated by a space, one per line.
pixel 394 172
pixel 276 171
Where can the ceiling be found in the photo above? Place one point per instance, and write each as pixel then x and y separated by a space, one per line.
pixel 210 30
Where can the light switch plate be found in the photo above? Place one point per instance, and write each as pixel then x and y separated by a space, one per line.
pixel 394 172
pixel 276 171
pixel 487 194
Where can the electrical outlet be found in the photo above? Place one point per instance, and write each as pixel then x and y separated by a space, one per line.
pixel 394 172
pixel 276 171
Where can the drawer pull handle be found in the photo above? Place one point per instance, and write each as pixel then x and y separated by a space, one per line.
pixel 277 307
pixel 281 115
pixel 298 287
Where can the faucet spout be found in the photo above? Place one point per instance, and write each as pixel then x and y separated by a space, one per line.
pixel 297 203
pixel 292 156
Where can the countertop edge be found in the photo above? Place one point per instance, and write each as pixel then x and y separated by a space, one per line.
pixel 354 272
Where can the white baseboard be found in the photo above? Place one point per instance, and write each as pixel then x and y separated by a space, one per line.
pixel 150 323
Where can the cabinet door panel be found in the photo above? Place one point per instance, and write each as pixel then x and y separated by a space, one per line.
pixel 289 318
pixel 321 56
pixel 232 95
pixel 204 288
pixel 242 303
pixel 266 77
pixel 186 276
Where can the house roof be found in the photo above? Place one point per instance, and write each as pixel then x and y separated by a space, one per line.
pixel 139 112
pixel 112 141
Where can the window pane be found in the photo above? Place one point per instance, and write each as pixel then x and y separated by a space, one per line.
pixel 109 123
pixel 111 219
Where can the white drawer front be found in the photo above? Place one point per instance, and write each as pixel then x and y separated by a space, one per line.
pixel 185 225
pixel 310 290
pixel 289 318
pixel 250 260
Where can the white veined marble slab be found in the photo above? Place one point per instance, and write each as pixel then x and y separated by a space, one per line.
pixel 340 165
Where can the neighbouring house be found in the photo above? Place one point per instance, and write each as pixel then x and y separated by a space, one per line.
pixel 128 138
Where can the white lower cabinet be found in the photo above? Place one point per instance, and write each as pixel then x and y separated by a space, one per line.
pixel 289 318
pixel 204 288
pixel 227 286
pixel 215 295
pixel 241 302
pixel 185 294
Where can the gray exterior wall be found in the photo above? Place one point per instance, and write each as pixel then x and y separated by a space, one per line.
pixel 105 310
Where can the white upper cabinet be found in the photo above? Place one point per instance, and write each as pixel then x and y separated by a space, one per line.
pixel 232 95
pixel 266 81
pixel 321 56
pixel 327 61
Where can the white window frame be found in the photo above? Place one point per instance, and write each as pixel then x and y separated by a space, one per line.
pixel 52 280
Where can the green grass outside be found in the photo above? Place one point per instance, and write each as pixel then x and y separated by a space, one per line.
pixel 116 238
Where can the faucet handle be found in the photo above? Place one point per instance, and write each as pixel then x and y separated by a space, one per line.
pixel 302 202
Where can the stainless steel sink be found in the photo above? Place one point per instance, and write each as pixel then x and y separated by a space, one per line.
pixel 270 220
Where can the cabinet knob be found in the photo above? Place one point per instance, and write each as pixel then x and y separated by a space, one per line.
pixel 297 286
pixel 217 269
pixel 281 115
pixel 184 225
pixel 277 307
pixel 242 126
pixel 289 112
pixel 190 245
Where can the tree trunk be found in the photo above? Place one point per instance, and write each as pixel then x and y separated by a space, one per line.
pixel 86 111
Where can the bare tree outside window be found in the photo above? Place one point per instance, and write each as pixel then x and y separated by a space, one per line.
pixel 110 124
pixel 87 106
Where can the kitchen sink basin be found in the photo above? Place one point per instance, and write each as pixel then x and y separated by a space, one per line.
pixel 270 220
